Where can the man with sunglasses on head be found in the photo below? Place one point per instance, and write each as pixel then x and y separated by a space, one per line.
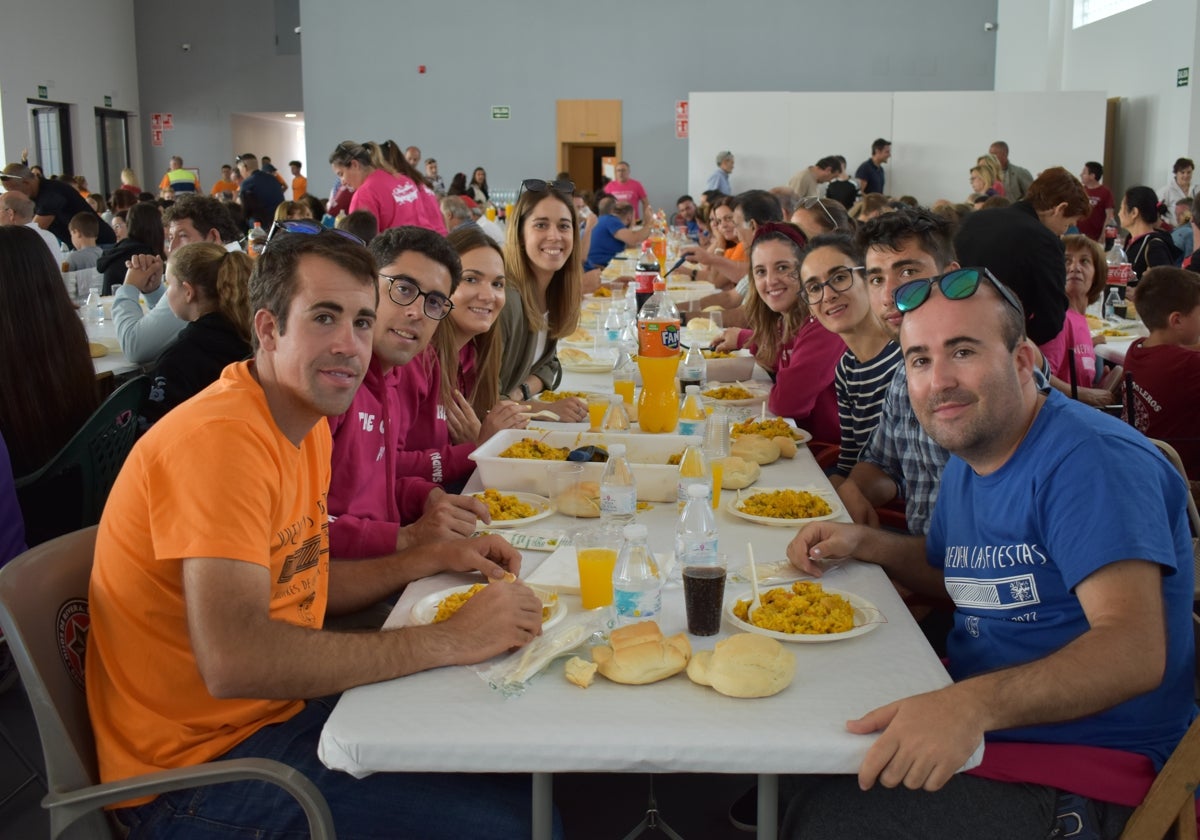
pixel 386 493
pixel 213 581
pixel 1072 650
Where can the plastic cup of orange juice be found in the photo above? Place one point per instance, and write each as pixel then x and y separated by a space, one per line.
pixel 596 554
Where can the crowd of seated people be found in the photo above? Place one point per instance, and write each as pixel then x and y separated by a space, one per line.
pixel 360 366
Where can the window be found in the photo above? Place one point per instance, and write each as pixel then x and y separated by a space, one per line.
pixel 1090 11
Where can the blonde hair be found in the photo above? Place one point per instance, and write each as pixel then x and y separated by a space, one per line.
pixel 989 168
pixel 286 208
pixel 565 293
pixel 220 276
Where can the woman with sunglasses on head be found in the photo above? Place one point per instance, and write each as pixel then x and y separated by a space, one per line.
pixel 394 199
pixel 469 343
pixel 834 285
pixel 544 270
pixel 1148 245
pixel 208 287
pixel 800 354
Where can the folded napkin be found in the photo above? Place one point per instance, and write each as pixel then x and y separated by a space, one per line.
pixel 560 572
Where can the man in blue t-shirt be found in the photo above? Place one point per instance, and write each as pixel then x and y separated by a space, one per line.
pixel 870 172
pixel 1072 649
pixel 612 233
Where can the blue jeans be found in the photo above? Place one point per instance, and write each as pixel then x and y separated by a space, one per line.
pixel 383 805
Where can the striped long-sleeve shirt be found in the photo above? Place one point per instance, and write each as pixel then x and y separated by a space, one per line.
pixel 861 388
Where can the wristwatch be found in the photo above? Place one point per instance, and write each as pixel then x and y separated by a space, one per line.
pixel 524 391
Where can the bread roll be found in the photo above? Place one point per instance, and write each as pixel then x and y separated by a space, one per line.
pixel 739 473
pixel 755 448
pixel 580 671
pixel 745 665
pixel 573 355
pixel 582 501
pixel 639 654
pixel 787 446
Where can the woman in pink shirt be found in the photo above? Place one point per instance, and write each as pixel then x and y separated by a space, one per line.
pixel 393 198
pixel 469 343
pixel 799 353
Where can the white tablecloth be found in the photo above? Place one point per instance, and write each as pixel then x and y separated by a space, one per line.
pixel 450 720
pixel 115 363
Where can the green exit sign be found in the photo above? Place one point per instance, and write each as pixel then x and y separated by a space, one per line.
pixel 108 102
pixel 43 92
pixel 500 112
pixel 1181 76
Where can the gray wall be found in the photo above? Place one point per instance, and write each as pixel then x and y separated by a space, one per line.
pixel 360 63
pixel 233 67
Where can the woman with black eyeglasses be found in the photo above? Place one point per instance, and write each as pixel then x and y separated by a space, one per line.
pixel 545 273
pixel 799 353
pixel 392 198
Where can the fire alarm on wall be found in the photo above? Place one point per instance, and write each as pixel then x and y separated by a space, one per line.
pixel 421 69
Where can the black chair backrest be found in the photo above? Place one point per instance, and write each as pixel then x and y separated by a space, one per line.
pixel 69 492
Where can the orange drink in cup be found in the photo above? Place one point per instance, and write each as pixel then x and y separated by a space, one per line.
pixel 658 244
pixel 596 554
pixel 624 387
pixel 597 407
pixel 717 465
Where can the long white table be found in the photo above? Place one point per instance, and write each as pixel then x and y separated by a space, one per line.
pixel 115 362
pixel 433 721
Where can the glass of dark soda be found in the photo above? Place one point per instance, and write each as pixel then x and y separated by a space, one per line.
pixel 704 593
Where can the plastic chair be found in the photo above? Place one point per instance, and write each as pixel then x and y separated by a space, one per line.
pixel 43 612
pixel 68 493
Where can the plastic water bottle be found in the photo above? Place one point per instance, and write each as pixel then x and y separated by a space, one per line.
pixel 256 241
pixel 637 587
pixel 1111 301
pixel 693 370
pixel 94 307
pixel 696 534
pixel 618 490
pixel 613 324
pixel 617 419
pixel 693 470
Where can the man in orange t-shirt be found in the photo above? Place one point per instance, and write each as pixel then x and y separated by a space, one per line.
pixel 299 182
pixel 226 184
pixel 212 581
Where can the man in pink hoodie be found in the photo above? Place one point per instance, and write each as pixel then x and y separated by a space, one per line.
pixel 374 490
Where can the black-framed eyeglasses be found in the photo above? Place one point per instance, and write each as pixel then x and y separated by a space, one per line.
pixel 840 279
pixel 815 201
pixel 308 227
pixel 536 185
pixel 403 290
pixel 958 284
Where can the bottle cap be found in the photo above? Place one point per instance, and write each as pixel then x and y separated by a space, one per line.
pixel 636 531
pixel 616 450
pixel 697 491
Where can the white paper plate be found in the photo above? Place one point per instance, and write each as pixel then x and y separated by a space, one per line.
pixel 539 503
pixel 758 395
pixel 830 497
pixel 425 609
pixel 590 366
pixel 866 618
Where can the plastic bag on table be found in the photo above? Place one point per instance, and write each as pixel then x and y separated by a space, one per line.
pixel 511 674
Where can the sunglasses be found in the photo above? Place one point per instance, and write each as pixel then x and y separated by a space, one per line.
pixel 537 185
pixel 955 285
pixel 840 280
pixel 815 201
pixel 308 227
pixel 403 290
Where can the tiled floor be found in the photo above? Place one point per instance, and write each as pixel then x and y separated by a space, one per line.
pixel 595 806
